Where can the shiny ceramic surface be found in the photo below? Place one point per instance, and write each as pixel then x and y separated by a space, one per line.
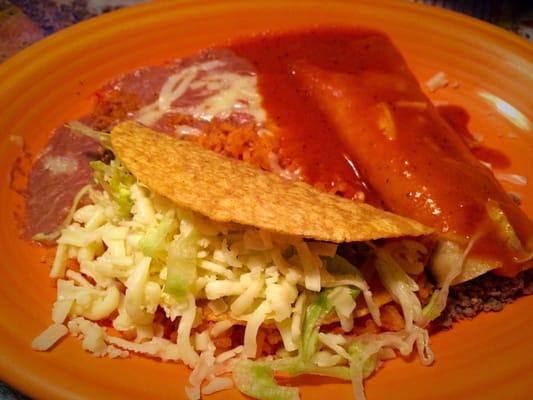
pixel 52 81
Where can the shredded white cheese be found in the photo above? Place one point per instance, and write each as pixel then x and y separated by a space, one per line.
pixel 221 327
pixel 188 354
pixel 252 327
pixel 217 385
pixel 49 337
pixel 437 81
pixel 228 355
pixel 244 276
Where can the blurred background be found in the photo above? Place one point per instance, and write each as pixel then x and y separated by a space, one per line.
pixel 23 22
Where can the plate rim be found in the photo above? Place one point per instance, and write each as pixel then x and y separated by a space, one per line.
pixel 37 387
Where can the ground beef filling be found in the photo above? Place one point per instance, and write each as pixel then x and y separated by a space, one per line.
pixel 488 292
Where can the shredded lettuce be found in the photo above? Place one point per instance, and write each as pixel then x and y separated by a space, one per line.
pixel 80 128
pixel 430 310
pixel 362 365
pixel 182 262
pixel 155 242
pixel 116 180
pixel 368 350
pixel 346 273
pixel 344 304
pixel 135 297
pixel 400 285
pixel 256 379
pixel 368 364
pixel 314 315
pixel 295 366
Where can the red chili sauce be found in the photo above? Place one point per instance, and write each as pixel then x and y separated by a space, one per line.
pixel 347 105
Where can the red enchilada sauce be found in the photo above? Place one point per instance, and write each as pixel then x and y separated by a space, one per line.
pixel 346 105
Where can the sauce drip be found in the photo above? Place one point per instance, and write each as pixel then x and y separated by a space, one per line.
pixel 346 105
pixel 458 118
pixel 306 136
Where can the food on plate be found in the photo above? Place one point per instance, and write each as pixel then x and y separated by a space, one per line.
pixel 212 243
pixel 230 191
pixel 359 90
pixel 264 259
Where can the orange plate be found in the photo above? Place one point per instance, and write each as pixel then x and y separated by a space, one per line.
pixel 52 81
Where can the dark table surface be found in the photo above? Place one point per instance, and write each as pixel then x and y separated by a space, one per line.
pixel 23 22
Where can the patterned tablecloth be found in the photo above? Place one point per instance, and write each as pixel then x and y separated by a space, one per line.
pixel 23 22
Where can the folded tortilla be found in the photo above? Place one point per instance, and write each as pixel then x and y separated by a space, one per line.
pixel 228 190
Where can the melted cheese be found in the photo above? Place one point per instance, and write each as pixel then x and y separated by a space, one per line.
pixel 237 93
pixel 226 92
pixel 60 165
